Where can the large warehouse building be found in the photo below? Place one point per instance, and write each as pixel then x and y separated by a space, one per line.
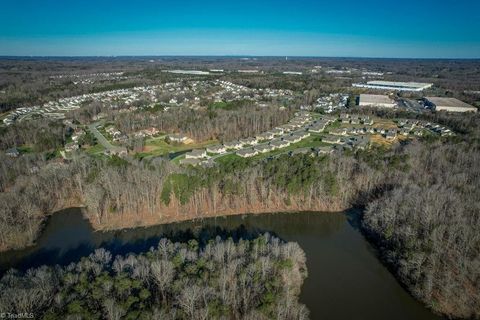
pixel 375 100
pixel 392 85
pixel 449 104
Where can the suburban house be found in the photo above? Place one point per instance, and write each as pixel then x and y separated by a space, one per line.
pixel 233 145
pixel 177 138
pixel 332 139
pixel 339 132
pixel 277 131
pixel 367 121
pixel 391 135
pixel 12 152
pixel 77 134
pixel 265 136
pixel 217 149
pixel 324 150
pixel 317 128
pixel 196 154
pixel 291 139
pixel 277 144
pixel 149 132
pixel 249 141
pixel 302 135
pixel 72 146
pixel 263 148
pixel 246 153
pixel 119 152
pixel 288 127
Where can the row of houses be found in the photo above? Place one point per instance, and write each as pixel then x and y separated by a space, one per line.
pixel 331 102
pixel 417 127
pixel 111 98
pixel 238 92
pixel 275 144
pixel 349 142
pixel 346 118
pixel 280 137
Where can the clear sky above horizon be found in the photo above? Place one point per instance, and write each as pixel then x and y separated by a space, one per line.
pixel 346 28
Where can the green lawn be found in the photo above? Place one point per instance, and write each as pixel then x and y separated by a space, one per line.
pixel 310 142
pixel 96 149
pixel 157 147
pixel 228 158
pixel 25 148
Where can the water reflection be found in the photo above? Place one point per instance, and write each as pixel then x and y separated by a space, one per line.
pixel 345 281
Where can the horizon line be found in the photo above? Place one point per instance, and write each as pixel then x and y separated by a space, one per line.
pixel 237 56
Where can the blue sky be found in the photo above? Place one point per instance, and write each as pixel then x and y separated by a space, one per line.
pixel 366 28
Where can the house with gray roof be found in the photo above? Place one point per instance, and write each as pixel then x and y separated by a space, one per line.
pixel 196 154
pixel 217 149
pixel 246 153
pixel 278 144
pixel 233 145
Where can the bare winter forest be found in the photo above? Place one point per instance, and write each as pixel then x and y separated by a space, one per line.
pixel 419 199
pixel 248 279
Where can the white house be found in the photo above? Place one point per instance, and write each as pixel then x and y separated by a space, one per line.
pixel 178 138
pixel 246 153
pixel 233 145
pixel 249 141
pixel 196 154
pixel 216 149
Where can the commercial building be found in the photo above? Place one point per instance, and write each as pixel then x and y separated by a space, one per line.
pixel 450 105
pixel 394 85
pixel 375 100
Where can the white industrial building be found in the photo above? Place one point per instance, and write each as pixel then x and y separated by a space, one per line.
pixel 376 100
pixel 449 104
pixel 393 85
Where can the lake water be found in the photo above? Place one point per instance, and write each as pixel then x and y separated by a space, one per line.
pixel 345 278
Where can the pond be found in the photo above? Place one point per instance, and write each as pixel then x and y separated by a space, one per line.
pixel 345 278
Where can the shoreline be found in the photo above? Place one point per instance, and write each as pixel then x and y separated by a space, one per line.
pixel 118 222
pixel 192 218
pixel 148 220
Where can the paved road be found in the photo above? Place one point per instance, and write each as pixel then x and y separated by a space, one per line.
pixel 411 105
pixel 101 139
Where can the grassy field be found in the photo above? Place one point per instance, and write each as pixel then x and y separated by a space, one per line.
pixel 310 142
pixel 157 147
pixel 384 123
pixel 96 149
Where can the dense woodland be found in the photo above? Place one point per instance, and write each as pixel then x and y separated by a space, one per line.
pixel 249 279
pixel 421 199
pixel 225 125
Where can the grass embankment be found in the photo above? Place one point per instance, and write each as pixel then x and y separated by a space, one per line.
pixel 158 146
pixel 95 149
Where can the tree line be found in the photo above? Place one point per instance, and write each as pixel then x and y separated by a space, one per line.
pixel 259 278
pixel 421 201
